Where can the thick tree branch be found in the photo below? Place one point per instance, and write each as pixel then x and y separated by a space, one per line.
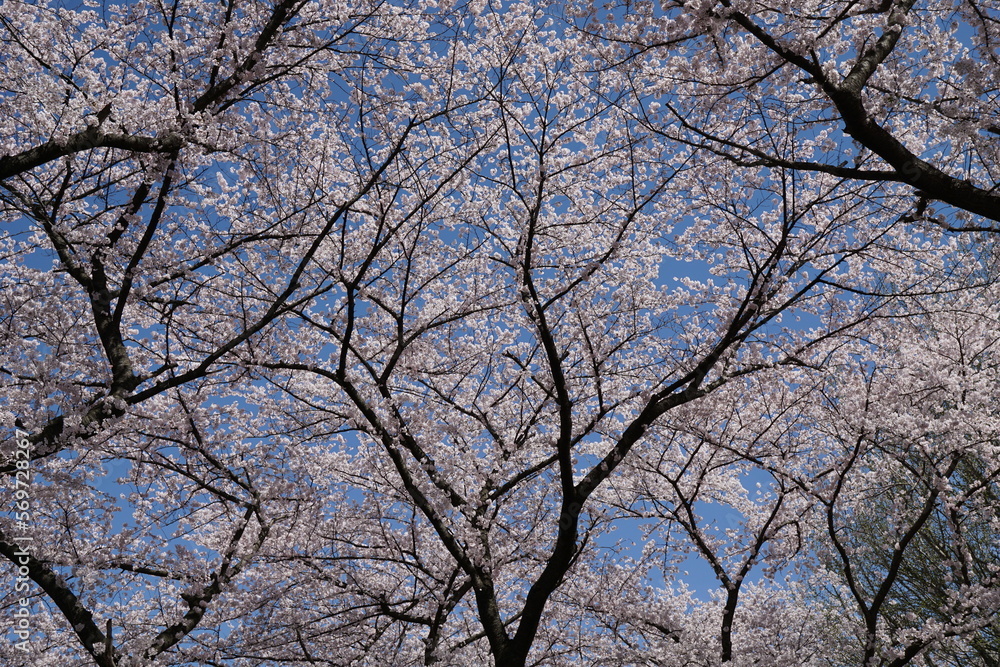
pixel 90 138
pixel 80 619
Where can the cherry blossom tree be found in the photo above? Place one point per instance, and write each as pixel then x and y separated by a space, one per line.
pixel 918 463
pixel 442 333
pixel 143 265
pixel 900 95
